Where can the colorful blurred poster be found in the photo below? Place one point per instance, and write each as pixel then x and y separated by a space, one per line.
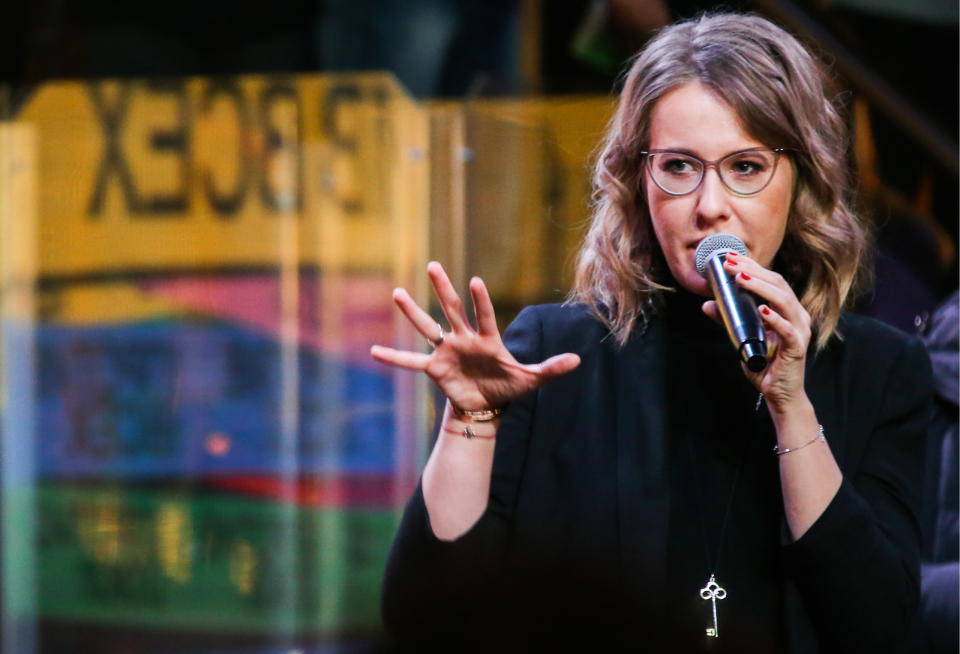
pixel 213 448
pixel 174 558
pixel 201 394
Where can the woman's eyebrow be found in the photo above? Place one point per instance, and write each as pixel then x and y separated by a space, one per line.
pixel 694 153
pixel 677 151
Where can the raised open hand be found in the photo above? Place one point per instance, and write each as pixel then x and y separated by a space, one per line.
pixel 472 367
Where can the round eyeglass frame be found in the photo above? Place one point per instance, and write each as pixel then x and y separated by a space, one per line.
pixel 713 164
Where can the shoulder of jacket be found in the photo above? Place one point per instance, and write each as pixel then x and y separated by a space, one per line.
pixel 561 317
pixel 869 338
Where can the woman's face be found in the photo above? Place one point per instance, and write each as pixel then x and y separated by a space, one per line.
pixel 693 120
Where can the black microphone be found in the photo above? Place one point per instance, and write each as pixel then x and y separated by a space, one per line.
pixel 737 306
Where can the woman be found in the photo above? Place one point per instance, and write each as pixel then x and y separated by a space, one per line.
pixel 603 475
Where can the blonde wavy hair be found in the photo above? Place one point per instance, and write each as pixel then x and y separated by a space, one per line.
pixel 779 92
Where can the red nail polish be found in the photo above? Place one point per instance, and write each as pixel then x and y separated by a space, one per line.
pixel 745 276
pixel 731 262
pixel 731 254
pixel 766 311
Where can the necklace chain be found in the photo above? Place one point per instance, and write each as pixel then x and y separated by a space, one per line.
pixel 713 591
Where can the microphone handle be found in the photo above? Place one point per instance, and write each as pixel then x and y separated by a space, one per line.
pixel 738 308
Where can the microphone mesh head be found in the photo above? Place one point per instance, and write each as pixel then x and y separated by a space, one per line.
pixel 716 244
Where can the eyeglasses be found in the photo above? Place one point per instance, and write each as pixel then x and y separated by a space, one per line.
pixel 745 172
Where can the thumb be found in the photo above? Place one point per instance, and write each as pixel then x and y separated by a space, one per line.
pixel 710 308
pixel 557 365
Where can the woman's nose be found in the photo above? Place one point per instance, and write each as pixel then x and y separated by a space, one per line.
pixel 712 198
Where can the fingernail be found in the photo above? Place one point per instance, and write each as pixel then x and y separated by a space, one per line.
pixel 766 311
pixel 731 254
pixel 745 276
pixel 731 262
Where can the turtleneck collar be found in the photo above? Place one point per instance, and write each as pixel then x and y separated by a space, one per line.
pixel 684 314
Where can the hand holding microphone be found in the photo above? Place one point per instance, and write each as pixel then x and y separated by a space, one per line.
pixel 737 307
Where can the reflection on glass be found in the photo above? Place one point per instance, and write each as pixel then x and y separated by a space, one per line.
pixel 196 442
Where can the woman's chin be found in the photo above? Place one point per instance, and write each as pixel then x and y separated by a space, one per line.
pixel 697 285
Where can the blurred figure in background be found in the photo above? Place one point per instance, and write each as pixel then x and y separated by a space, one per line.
pixel 940 590
pixel 436 48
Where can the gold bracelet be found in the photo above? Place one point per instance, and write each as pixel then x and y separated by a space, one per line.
pixel 481 415
pixel 787 450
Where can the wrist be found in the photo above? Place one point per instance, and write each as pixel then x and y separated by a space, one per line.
pixel 469 429
pixel 795 426
pixel 797 411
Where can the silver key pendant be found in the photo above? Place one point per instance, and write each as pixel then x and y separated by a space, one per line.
pixel 713 592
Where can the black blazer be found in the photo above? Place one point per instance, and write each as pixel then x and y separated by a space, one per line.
pixel 573 544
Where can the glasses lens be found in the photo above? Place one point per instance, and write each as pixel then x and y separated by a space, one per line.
pixel 674 172
pixel 747 172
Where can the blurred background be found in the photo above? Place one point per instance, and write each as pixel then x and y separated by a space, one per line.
pixel 204 207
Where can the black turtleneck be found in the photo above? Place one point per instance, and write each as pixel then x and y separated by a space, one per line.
pixel 719 457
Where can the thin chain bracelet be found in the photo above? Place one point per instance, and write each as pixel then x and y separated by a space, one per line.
pixel 787 450
pixel 468 433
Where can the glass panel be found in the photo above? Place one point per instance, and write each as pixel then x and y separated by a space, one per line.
pixel 512 204
pixel 18 335
pixel 193 273
pixel 198 452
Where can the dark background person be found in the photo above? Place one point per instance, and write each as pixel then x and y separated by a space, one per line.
pixel 436 48
pixel 941 547
pixel 607 459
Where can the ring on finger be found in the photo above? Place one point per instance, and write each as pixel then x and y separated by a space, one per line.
pixel 438 341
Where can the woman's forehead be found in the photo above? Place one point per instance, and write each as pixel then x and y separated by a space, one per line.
pixel 692 118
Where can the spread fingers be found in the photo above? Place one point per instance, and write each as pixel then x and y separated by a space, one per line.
pixel 402 358
pixel 449 300
pixel 483 308
pixel 422 321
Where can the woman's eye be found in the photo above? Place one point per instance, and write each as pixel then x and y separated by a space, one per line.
pixel 678 166
pixel 747 167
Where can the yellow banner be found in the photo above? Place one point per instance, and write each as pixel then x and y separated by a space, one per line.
pixel 144 175
pixel 338 172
